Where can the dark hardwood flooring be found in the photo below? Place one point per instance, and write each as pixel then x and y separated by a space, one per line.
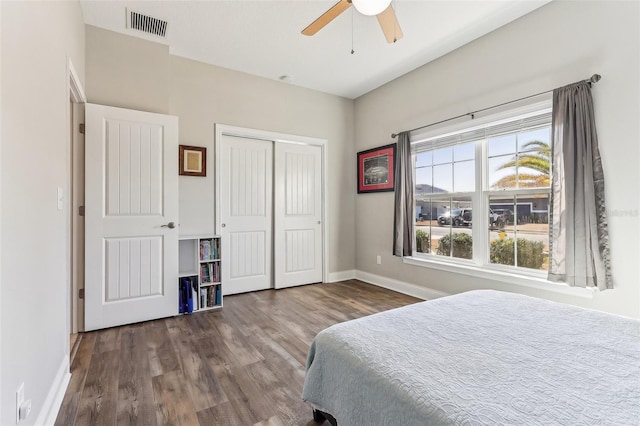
pixel 241 365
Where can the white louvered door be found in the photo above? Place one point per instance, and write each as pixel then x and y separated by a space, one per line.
pixel 131 197
pixel 246 199
pixel 298 214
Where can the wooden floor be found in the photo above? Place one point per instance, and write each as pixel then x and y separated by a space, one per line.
pixel 242 365
pixel 73 338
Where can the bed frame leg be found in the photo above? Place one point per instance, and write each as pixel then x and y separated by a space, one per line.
pixel 318 416
pixel 321 416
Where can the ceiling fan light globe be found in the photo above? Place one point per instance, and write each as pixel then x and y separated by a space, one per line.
pixel 371 7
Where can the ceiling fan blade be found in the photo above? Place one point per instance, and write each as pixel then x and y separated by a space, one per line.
pixel 327 17
pixel 389 24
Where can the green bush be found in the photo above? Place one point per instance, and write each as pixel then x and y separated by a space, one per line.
pixel 462 245
pixel 423 241
pixel 530 253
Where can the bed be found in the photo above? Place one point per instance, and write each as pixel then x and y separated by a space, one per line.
pixel 478 358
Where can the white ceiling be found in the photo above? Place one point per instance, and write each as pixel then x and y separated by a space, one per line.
pixel 262 37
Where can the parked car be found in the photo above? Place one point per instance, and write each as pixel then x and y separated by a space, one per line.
pixel 455 217
pixel 463 217
pixel 500 217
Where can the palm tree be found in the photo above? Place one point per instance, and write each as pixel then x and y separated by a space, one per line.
pixel 536 156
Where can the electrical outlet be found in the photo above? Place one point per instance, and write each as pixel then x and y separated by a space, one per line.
pixel 19 401
pixel 379 260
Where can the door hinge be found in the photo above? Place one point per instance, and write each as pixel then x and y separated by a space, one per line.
pixel 81 293
pixel 81 128
pixel 81 211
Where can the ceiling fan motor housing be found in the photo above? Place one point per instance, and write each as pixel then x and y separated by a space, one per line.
pixel 371 7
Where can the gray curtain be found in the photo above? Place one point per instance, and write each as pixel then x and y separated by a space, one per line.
pixel 404 208
pixel 579 241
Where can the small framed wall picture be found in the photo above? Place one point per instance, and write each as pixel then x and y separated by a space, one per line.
pixel 192 160
pixel 376 168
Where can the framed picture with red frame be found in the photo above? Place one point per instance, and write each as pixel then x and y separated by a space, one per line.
pixel 376 168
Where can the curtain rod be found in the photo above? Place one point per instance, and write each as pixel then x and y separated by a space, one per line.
pixel 593 79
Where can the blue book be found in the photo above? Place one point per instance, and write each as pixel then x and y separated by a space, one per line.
pixel 218 296
pixel 186 296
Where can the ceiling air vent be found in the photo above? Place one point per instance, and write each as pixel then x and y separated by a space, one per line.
pixel 147 24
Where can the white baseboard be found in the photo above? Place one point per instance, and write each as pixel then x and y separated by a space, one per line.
pixel 53 401
pixel 404 287
pixel 341 276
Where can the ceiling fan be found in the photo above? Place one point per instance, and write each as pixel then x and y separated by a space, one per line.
pixel 382 9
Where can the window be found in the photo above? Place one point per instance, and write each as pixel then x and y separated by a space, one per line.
pixel 501 168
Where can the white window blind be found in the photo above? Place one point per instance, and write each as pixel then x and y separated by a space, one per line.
pixel 516 124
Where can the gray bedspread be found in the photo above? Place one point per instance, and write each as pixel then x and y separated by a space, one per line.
pixel 478 358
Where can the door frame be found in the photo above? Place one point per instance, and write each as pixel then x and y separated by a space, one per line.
pixel 75 180
pixel 244 132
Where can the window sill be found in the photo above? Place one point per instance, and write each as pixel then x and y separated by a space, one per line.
pixel 501 276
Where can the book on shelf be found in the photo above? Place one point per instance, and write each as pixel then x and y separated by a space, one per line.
pixel 202 250
pixel 216 249
pixel 214 271
pixel 187 291
pixel 210 273
pixel 203 297
pixel 205 274
pixel 209 296
pixel 194 297
pixel 206 250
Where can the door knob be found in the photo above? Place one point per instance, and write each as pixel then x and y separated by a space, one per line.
pixel 223 225
pixel 169 225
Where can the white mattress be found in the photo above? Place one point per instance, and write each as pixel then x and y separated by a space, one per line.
pixel 478 358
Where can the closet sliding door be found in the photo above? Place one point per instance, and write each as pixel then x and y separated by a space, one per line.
pixel 297 214
pixel 269 209
pixel 246 220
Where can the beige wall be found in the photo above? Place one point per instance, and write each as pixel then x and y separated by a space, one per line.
pixel 558 44
pixel 132 73
pixel 38 38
